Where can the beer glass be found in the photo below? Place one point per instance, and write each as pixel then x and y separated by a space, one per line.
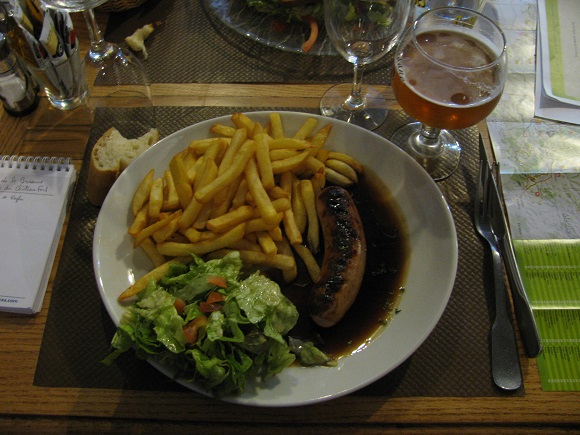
pixel 450 71
pixel 362 31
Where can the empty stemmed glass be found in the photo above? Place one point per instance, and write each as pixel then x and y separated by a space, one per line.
pixel 450 71
pixel 120 73
pixel 362 31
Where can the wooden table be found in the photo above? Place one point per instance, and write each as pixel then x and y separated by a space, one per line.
pixel 25 407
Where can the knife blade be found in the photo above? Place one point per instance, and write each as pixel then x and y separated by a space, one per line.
pixel 522 308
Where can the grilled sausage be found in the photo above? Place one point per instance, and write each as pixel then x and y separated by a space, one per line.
pixel 344 261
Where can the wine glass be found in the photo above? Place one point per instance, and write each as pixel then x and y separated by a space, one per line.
pixel 450 71
pixel 120 75
pixel 362 31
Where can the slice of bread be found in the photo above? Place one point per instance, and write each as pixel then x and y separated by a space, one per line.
pixel 110 156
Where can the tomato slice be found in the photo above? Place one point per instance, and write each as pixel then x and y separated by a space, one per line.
pixel 214 302
pixel 218 281
pixel 191 330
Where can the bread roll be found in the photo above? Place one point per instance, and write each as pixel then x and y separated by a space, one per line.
pixel 110 156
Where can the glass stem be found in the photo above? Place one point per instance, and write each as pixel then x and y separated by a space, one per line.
pixel 100 49
pixel 356 100
pixel 428 142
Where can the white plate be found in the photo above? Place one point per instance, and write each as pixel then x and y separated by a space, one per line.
pixel 429 280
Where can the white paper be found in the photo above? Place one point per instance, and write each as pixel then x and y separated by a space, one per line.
pixel 557 93
pixel 32 209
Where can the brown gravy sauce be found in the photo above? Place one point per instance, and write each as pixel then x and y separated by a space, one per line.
pixel 382 286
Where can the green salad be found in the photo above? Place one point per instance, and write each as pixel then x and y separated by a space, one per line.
pixel 215 326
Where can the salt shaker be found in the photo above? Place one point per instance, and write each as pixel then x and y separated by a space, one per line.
pixel 18 91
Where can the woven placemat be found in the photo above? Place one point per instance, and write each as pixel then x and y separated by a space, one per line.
pixel 453 361
pixel 192 45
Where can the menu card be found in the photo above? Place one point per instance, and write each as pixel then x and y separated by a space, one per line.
pixel 550 271
pixel 34 194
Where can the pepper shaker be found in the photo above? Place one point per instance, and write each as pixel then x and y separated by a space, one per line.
pixel 18 91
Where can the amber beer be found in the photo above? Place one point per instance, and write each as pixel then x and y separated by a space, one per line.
pixel 435 86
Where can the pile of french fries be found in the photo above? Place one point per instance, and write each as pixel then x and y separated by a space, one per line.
pixel 248 188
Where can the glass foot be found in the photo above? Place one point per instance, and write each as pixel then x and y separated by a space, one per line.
pixel 440 161
pixel 370 116
pixel 102 55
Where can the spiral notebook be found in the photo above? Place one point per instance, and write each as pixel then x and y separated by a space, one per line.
pixel 34 195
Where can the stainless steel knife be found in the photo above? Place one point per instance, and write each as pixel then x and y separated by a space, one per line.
pixel 522 308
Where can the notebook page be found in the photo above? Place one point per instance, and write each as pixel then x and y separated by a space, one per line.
pixel 32 210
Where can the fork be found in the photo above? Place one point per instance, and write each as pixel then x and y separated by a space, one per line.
pixel 505 363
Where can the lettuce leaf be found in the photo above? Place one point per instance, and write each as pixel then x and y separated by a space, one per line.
pixel 245 338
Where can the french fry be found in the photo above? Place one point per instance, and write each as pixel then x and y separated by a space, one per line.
pixel 298 206
pixel 216 150
pixel 241 120
pixel 289 143
pixel 223 203
pixel 318 182
pixel 276 234
pixel 140 221
pixel 231 219
pixel 309 261
pixel 282 153
pixel 191 234
pixel 181 180
pixel 262 199
pixel 284 248
pixel 289 164
pixel 203 216
pixel 245 245
pixel 266 243
pixel 171 200
pixel 258 129
pixel 320 137
pixel 343 169
pixel 311 166
pixel 222 130
pixel 141 195
pixel 167 231
pixel 277 131
pixel 292 232
pixel 278 193
pixel 240 136
pixel 286 182
pixel 313 233
pixel 263 161
pixel 259 224
pixel 150 249
pixel 150 229
pixel 240 195
pixel 155 198
pixel 238 166
pixel 307 127
pixel 336 178
pixel 199 147
pixel 322 155
pixel 192 166
pixel 155 275
pixel 349 160
pixel 172 249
